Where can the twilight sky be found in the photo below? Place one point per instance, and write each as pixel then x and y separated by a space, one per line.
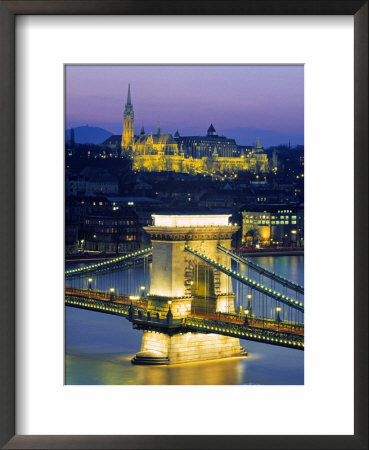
pixel 243 102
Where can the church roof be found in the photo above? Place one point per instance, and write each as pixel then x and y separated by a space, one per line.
pixel 163 139
pixel 211 129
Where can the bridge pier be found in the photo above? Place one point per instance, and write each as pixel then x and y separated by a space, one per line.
pixel 160 348
pixel 188 286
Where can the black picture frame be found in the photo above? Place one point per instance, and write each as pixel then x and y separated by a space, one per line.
pixel 8 12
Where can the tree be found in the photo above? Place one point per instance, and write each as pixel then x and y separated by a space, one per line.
pixel 254 234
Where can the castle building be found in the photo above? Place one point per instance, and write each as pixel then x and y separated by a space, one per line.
pixel 210 154
pixel 200 146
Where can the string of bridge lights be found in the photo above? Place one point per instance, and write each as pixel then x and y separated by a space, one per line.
pixel 257 266
pixel 106 263
pixel 267 290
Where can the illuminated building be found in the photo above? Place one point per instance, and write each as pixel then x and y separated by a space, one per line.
pixel 113 231
pixel 128 123
pixel 210 154
pixel 273 225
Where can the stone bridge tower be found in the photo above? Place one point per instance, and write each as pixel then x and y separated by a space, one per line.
pixel 186 285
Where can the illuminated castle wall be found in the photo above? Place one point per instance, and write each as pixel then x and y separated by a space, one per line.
pixel 157 152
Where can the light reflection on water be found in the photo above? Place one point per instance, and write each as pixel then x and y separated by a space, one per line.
pixel 99 349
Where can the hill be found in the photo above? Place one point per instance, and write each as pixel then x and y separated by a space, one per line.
pixel 88 135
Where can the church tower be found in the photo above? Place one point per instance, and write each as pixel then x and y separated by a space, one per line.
pixel 128 123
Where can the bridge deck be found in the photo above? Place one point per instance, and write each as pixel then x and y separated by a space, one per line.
pixel 286 334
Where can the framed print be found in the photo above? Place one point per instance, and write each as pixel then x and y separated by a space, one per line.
pixel 215 73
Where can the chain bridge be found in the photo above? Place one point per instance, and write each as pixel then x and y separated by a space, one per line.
pixel 193 297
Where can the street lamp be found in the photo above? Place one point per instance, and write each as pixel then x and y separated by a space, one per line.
pixel 246 318
pixel 111 290
pixel 249 304
pixel 169 314
pixel 90 284
pixel 142 289
pixel 278 309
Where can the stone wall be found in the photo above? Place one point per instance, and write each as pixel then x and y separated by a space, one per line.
pixel 188 347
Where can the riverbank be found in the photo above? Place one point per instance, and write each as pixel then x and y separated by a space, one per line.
pixel 290 251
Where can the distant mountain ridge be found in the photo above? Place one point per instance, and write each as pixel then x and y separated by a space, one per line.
pixel 88 135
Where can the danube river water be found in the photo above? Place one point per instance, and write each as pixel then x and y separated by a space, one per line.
pixel 99 348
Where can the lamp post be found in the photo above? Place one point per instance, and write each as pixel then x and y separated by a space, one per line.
pixel 111 290
pixel 246 318
pixel 142 289
pixel 278 309
pixel 90 284
pixel 249 304
pixel 169 314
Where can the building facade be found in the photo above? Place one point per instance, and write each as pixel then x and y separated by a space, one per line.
pixel 273 225
pixel 110 232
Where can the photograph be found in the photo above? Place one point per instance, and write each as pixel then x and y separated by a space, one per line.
pixel 184 224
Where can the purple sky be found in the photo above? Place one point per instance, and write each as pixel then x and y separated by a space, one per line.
pixel 242 102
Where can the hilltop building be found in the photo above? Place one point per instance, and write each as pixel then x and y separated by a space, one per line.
pixel 210 154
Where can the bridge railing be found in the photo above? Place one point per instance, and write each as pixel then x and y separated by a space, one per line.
pixel 143 318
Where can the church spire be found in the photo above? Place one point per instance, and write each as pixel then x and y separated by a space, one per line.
pixel 128 123
pixel 129 94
